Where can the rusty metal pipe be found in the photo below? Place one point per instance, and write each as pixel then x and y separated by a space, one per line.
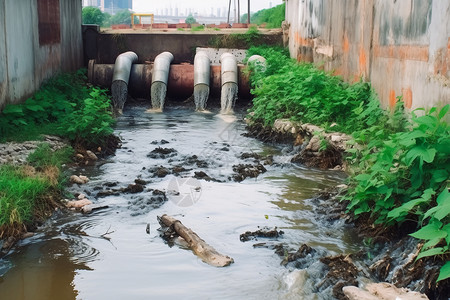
pixel 180 83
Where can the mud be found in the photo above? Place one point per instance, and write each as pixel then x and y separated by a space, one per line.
pixel 162 153
pixel 260 233
pixel 247 170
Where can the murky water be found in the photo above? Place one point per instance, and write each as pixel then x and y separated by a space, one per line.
pixel 109 255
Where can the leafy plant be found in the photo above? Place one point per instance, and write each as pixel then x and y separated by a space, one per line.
pixel 92 121
pixel 273 17
pixel 303 93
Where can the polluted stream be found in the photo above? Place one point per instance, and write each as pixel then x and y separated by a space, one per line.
pixel 181 163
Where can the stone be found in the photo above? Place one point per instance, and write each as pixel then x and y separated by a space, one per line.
pixel 81 196
pixel 91 155
pixel 84 178
pixel 76 179
pixel 336 138
pixel 381 291
pixel 78 203
pixel 314 144
pixel 79 156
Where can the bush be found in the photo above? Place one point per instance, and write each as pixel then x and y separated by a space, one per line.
pixel 63 106
pixel 301 92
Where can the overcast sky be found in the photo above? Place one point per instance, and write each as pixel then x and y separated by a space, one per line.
pixel 149 6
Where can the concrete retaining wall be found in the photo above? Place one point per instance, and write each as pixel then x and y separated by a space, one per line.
pixel 402 47
pixel 148 45
pixel 37 40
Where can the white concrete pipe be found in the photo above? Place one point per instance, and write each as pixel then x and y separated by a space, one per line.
pixel 229 68
pixel 121 75
pixel 202 68
pixel 202 74
pixel 161 67
pixel 259 62
pixel 122 66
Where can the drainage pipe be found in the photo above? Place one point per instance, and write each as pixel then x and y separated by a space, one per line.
pixel 202 69
pixel 259 61
pixel 229 81
pixel 229 68
pixel 121 75
pixel 202 76
pixel 160 77
pixel 161 67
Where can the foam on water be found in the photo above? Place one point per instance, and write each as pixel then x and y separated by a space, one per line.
pixel 228 97
pixel 158 94
pixel 201 94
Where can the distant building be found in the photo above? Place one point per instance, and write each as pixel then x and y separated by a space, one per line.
pixel 114 6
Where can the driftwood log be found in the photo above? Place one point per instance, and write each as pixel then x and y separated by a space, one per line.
pixel 207 253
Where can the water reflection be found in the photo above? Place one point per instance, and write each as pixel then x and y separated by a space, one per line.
pixel 42 270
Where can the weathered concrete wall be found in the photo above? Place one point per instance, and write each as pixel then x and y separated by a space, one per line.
pixel 26 58
pixel 402 47
pixel 148 45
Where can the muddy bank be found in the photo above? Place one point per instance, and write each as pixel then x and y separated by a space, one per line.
pixel 390 254
pixel 312 146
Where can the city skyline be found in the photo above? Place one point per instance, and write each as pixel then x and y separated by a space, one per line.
pixel 215 7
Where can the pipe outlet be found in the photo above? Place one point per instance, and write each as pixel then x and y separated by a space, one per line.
pixel 202 68
pixel 259 62
pixel 229 68
pixel 161 67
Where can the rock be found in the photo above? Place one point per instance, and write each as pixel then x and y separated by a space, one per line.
pixel 91 155
pixel 140 181
pixel 84 178
pixel 314 144
pixel 78 203
pixel 81 196
pixel 381 291
pixel 134 188
pixel 76 179
pixel 92 207
pixel 354 293
pixel 264 232
pixel 336 138
pixel 247 170
pixel 163 153
pixel 79 156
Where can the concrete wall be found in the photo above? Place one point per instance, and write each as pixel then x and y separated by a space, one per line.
pixel 402 47
pixel 25 61
pixel 148 45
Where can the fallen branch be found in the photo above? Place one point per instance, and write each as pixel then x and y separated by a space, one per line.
pixel 207 253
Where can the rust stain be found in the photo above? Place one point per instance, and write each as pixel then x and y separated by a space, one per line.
pixel 407 97
pixel 402 52
pixel 392 99
pixel 362 61
pixel 346 44
pixel 302 41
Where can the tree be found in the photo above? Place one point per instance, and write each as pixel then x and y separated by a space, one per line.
pixel 92 15
pixel 190 20
pixel 123 17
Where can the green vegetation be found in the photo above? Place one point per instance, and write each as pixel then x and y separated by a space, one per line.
pixel 63 106
pixel 26 192
pixel 190 19
pixel 273 17
pixel 303 93
pixel 400 165
pixel 93 15
pixel 238 40
pixel 198 28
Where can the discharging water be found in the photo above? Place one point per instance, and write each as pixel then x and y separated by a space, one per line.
pixel 109 255
pixel 158 95
pixel 228 96
pixel 201 94
pixel 119 91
